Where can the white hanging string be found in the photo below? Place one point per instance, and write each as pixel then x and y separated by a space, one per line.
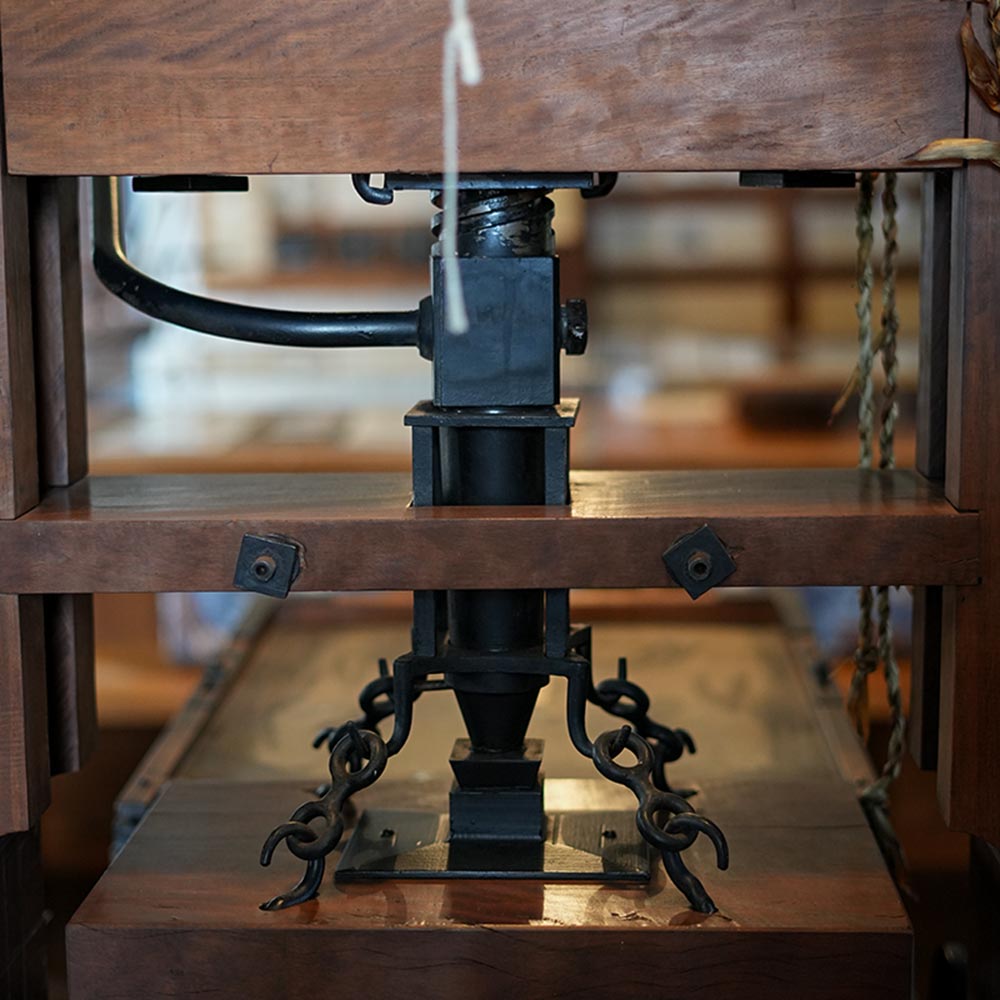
pixel 460 56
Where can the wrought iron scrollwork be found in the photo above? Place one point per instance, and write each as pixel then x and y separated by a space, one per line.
pixel 626 700
pixel 377 704
pixel 304 840
pixel 672 835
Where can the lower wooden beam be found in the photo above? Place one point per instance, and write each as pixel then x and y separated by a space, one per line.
pixel 358 532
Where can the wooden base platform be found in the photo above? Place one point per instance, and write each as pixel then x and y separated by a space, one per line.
pixel 807 912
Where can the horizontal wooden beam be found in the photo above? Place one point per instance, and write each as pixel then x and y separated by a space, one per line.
pixel 358 532
pixel 295 86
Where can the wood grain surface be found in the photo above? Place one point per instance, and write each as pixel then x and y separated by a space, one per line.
pixel 178 911
pixel 19 484
pixel 969 738
pixel 69 668
pixel 292 86
pixel 776 764
pixel 24 737
pixel 60 394
pixel 931 427
pixel 783 528
pixel 57 311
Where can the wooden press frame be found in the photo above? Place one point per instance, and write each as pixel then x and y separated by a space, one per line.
pixel 156 86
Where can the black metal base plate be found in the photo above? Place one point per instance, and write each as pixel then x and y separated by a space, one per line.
pixel 580 847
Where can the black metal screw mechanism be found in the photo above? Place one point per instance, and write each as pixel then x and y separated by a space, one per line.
pixel 495 433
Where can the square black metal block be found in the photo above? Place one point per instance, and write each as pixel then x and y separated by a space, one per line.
pixel 267 564
pixel 496 770
pixel 491 814
pixel 510 354
pixel 699 561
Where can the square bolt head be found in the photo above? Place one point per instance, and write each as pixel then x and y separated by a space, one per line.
pixel 267 564
pixel 699 561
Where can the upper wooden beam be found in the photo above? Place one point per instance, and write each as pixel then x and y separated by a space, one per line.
pixel 296 86
pixel 784 528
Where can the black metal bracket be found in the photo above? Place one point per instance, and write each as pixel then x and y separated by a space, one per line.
pixel 699 561
pixel 785 179
pixel 267 564
pixel 185 183
pixel 589 184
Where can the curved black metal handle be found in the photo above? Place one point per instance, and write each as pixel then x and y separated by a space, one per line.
pixel 231 320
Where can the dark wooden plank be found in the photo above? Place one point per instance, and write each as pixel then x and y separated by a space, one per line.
pixel 19 485
pixel 57 309
pixel 24 754
pixel 179 909
pixel 69 667
pixel 932 401
pixel 289 86
pixel 784 528
pixel 925 679
pixel 22 939
pixel 935 283
pixel 969 739
pixel 984 964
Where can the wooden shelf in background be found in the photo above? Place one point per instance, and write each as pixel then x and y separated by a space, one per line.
pixel 783 527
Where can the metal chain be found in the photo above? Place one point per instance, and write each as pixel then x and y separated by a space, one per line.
pixel 626 700
pixel 664 819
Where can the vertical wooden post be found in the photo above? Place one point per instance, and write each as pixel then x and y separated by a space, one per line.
pixel 932 400
pixel 24 740
pixel 23 971
pixel 24 744
pixel 24 757
pixel 969 737
pixel 57 311
pixel 18 433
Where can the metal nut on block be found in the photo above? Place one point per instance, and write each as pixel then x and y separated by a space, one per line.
pixel 699 561
pixel 573 320
pixel 267 564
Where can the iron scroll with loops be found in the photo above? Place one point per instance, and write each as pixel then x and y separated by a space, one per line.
pixel 682 827
pixel 303 840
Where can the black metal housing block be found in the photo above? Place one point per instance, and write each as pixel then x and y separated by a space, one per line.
pixel 474 770
pixel 509 356
pixel 496 813
pixel 427 421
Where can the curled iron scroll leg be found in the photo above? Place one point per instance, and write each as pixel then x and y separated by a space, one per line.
pixel 305 889
pixel 671 835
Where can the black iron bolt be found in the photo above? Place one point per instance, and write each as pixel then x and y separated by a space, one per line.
pixel 574 326
pixel 609 834
pixel 264 567
pixel 699 566
pixel 387 833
